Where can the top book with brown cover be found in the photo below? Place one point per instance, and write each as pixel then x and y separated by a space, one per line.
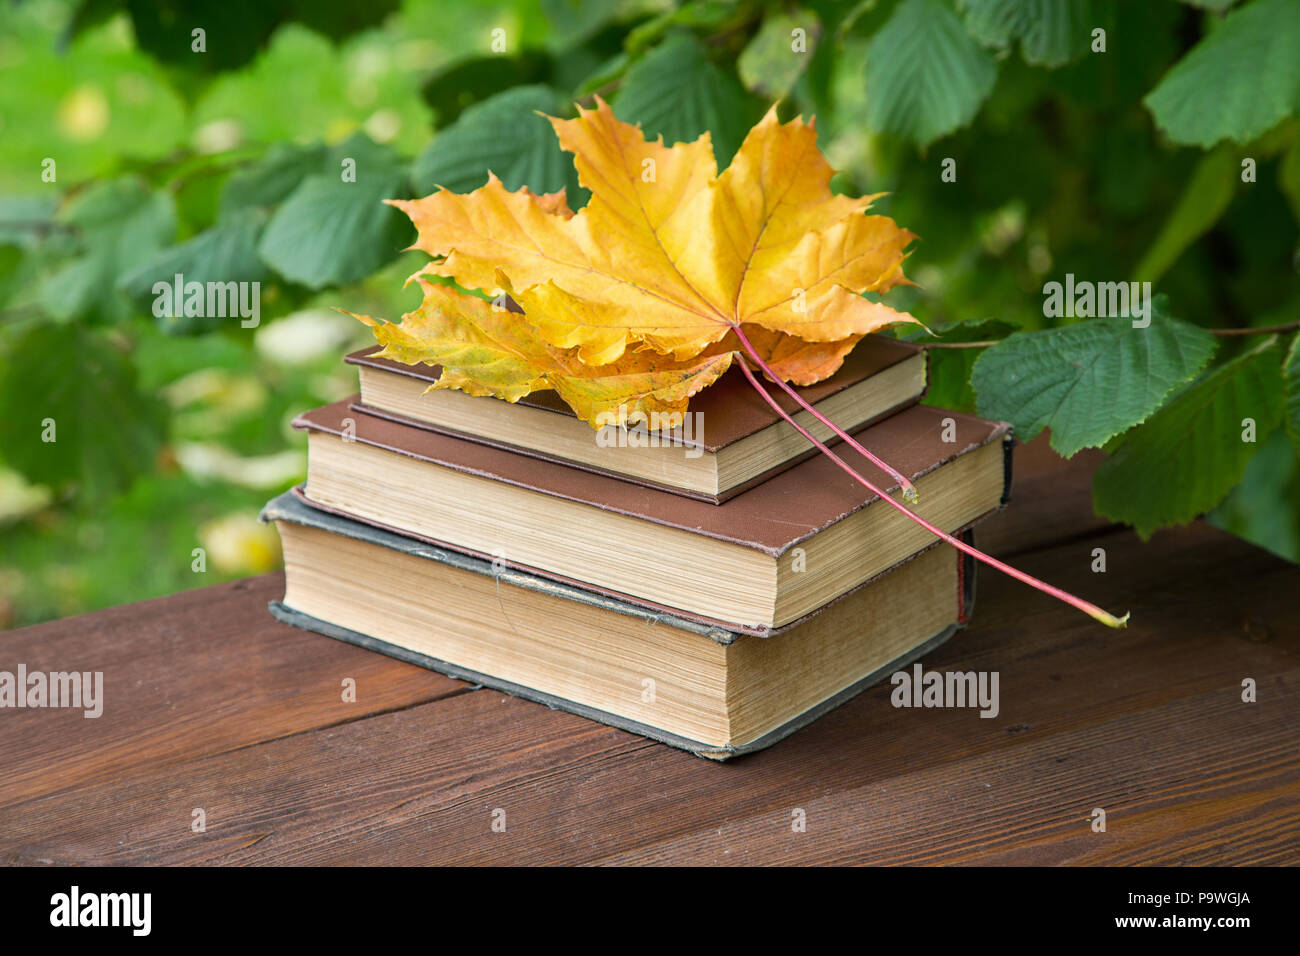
pixel 730 440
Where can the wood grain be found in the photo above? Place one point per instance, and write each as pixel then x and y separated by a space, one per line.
pixel 200 672
pixel 1050 500
pixel 240 716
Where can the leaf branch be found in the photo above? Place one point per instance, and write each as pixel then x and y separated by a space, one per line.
pixel 958 345
pixel 1262 330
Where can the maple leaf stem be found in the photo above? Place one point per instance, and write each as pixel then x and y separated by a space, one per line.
pixel 909 490
pixel 1086 607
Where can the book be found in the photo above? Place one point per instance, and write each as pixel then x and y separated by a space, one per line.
pixel 709 690
pixel 729 441
pixel 756 562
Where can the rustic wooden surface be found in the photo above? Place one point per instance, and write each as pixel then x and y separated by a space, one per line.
pixel 212 704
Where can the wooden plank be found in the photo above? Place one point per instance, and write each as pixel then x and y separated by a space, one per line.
pixel 1176 783
pixel 1146 722
pixel 343 795
pixel 1051 500
pixel 196 673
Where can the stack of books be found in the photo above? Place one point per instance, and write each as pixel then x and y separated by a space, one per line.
pixel 715 586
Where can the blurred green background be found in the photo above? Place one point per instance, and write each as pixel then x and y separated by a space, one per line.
pixel 126 153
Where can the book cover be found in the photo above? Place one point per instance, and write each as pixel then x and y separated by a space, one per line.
pixel 772 517
pixel 731 406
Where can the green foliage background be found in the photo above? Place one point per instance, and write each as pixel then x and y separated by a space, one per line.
pixel 127 156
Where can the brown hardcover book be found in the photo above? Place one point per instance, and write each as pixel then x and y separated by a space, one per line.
pixel 709 690
pixel 759 561
pixel 730 441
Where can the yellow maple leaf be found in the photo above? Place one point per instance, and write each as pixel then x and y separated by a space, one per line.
pixel 668 256
pixel 667 252
pixel 554 203
pixel 791 359
pixel 488 350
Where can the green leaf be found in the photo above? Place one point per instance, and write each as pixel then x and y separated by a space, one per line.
pixel 504 135
pixel 24 218
pixel 779 53
pixel 273 177
pixel 925 75
pixel 859 11
pixel 1189 455
pixel 1291 381
pixel 11 272
pixel 119 224
pixel 605 74
pixel 467 83
pixel 225 253
pixel 676 91
pixel 1289 177
pixel 1238 82
pixel 1218 6
pixel 948 377
pixel 704 16
pixel 331 230
pixel 234 30
pixel 1087 382
pixel 574 21
pixel 1265 507
pixel 104 430
pixel 1204 200
pixel 1051 32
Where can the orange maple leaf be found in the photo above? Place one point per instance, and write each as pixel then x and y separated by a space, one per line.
pixel 667 252
pixel 669 256
pixel 486 349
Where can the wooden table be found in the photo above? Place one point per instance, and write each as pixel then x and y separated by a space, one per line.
pixel 213 705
